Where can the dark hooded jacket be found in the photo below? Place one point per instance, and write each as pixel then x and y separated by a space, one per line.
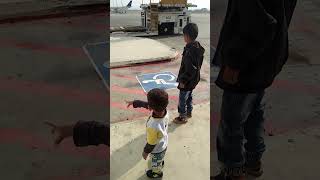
pixel 86 133
pixel 189 73
pixel 254 40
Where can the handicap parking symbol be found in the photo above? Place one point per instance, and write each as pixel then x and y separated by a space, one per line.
pixel 161 80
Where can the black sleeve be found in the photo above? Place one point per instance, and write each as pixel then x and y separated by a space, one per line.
pixel 256 30
pixel 140 104
pixel 148 148
pixel 290 5
pixel 189 68
pixel 87 133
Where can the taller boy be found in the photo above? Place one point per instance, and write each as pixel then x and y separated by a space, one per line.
pixel 189 73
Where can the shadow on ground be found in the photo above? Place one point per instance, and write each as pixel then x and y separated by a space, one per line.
pixel 129 155
pixel 144 177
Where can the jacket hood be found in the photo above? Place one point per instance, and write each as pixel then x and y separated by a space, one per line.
pixel 195 47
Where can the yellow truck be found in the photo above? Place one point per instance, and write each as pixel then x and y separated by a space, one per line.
pixel 165 16
pixel 173 3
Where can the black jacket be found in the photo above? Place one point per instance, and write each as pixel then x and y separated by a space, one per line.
pixel 189 73
pixel 254 40
pixel 87 133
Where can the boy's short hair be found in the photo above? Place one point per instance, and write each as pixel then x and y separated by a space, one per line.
pixel 158 99
pixel 191 30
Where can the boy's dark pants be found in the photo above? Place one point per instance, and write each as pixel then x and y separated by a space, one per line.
pixel 240 135
pixel 185 103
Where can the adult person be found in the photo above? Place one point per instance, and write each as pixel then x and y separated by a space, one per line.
pixel 252 49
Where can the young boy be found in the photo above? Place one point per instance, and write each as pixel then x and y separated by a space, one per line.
pixel 189 73
pixel 157 130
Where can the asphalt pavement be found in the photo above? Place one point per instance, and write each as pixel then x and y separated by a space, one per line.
pixel 46 76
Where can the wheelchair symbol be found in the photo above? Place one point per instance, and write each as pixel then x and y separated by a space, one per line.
pixel 158 80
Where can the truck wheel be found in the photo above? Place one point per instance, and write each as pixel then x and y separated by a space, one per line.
pixel 165 29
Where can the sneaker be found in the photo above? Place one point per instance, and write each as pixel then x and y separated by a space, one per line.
pixel 153 175
pixel 221 176
pixel 180 120
pixel 224 176
pixel 189 115
pixel 254 169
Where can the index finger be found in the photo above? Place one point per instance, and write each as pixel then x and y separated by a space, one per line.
pixel 50 124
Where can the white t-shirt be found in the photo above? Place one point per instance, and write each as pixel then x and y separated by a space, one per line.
pixel 157 133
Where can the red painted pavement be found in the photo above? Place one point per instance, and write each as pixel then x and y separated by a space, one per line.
pixel 59 50
pixel 33 141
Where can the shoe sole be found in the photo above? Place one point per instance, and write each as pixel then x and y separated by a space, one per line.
pixel 254 173
pixel 160 177
pixel 180 122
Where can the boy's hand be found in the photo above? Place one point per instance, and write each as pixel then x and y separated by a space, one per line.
pixel 230 75
pixel 144 155
pixel 61 132
pixel 129 103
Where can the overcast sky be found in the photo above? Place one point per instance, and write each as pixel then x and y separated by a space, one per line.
pixel 136 3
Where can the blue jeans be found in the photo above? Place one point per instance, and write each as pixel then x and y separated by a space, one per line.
pixel 240 134
pixel 185 103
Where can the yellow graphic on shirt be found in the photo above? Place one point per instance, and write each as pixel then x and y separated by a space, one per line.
pixel 153 136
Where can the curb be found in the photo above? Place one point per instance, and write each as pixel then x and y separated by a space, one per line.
pixel 57 12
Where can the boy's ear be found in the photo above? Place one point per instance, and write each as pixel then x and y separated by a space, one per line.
pixel 188 37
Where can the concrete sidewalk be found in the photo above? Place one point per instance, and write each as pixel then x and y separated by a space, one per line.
pixel 123 54
pixel 293 156
pixel 188 155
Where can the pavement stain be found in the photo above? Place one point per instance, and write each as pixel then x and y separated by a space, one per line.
pixel 38 164
pixel 317 113
pixel 299 58
pixel 19 75
pixel 291 141
pixel 131 85
pixel 10 77
pixel 62 72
